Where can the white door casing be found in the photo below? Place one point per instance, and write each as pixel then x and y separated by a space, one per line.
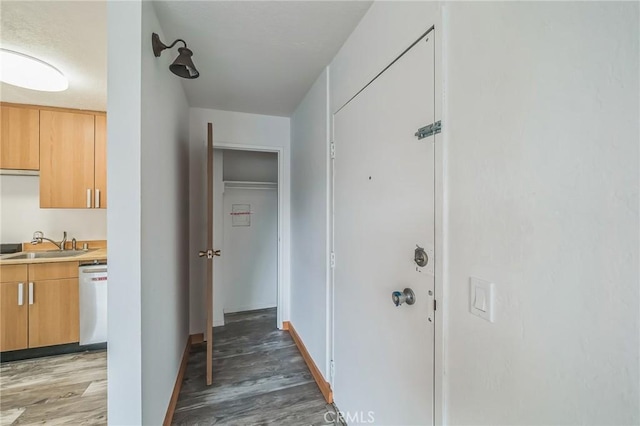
pixel 384 207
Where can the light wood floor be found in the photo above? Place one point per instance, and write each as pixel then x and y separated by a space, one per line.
pixel 259 377
pixel 61 390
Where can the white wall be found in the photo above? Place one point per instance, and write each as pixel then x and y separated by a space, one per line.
pixel 238 129
pixel 544 204
pixel 251 252
pixel 21 215
pixel 387 29
pixel 218 243
pixel 165 224
pixel 309 221
pixel 124 357
pixel 250 166
pixel 147 217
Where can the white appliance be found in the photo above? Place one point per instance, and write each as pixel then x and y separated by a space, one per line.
pixel 93 304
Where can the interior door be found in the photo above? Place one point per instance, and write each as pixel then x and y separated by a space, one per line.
pixel 208 254
pixel 384 212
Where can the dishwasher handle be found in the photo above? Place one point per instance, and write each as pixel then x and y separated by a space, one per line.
pixel 94 271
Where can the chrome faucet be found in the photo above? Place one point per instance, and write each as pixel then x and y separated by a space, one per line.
pixel 38 236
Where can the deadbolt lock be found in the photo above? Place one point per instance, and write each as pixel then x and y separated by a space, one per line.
pixel 420 257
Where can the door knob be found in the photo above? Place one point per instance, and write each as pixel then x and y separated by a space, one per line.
pixel 209 253
pixel 407 296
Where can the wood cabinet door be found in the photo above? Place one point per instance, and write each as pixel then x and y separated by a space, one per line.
pixel 19 138
pixel 66 159
pixel 13 316
pixel 54 312
pixel 100 196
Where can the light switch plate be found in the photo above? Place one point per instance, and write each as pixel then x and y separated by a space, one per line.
pixel 481 298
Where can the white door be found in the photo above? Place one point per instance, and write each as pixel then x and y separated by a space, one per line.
pixel 384 208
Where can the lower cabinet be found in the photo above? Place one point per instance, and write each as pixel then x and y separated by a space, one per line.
pixel 13 308
pixel 54 313
pixel 41 307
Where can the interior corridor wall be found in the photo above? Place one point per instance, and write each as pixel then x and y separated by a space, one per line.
pixel 124 81
pixel 310 313
pixel 147 219
pixel 545 204
pixel 164 225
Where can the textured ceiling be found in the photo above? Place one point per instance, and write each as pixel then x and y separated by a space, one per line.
pixel 258 57
pixel 71 36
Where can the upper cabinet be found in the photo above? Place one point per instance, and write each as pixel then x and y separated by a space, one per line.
pixel 68 147
pixel 19 138
pixel 68 160
pixel 100 172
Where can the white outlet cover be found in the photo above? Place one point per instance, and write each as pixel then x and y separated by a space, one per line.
pixel 481 298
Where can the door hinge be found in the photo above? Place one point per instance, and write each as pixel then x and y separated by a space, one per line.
pixel 332 150
pixel 430 130
pixel 332 260
pixel 434 304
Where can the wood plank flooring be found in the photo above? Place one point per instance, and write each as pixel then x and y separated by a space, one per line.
pixel 259 377
pixel 61 390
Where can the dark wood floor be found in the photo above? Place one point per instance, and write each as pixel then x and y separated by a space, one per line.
pixel 259 377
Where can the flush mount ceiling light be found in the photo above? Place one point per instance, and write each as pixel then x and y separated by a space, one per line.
pixel 183 65
pixel 26 71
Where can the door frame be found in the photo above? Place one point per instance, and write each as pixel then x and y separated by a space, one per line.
pixel 283 179
pixel 440 243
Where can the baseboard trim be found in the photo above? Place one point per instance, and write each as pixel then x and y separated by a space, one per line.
pixel 197 338
pixel 168 418
pixel 324 386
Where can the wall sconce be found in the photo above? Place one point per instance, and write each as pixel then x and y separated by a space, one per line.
pixel 183 65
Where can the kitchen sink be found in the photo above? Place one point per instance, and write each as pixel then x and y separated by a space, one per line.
pixel 46 254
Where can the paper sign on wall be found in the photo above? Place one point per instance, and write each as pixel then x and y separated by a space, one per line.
pixel 241 215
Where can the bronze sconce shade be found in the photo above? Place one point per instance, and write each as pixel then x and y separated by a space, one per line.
pixel 183 65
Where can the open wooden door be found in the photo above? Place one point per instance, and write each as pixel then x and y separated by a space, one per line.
pixel 209 254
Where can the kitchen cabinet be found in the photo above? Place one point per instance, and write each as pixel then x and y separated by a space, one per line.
pixel 19 138
pixel 13 308
pixel 100 171
pixel 50 310
pixel 54 304
pixel 67 160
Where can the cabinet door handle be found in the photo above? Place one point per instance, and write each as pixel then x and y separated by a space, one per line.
pixel 97 203
pixel 88 198
pixel 20 294
pixel 31 293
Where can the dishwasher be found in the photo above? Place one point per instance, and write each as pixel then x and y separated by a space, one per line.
pixel 93 304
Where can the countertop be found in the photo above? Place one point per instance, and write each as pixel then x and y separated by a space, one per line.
pixel 91 255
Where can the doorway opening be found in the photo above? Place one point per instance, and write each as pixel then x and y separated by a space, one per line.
pixel 246 228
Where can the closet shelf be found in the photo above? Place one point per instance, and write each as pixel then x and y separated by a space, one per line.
pixel 250 185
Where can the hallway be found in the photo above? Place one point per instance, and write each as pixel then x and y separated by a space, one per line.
pixel 258 377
